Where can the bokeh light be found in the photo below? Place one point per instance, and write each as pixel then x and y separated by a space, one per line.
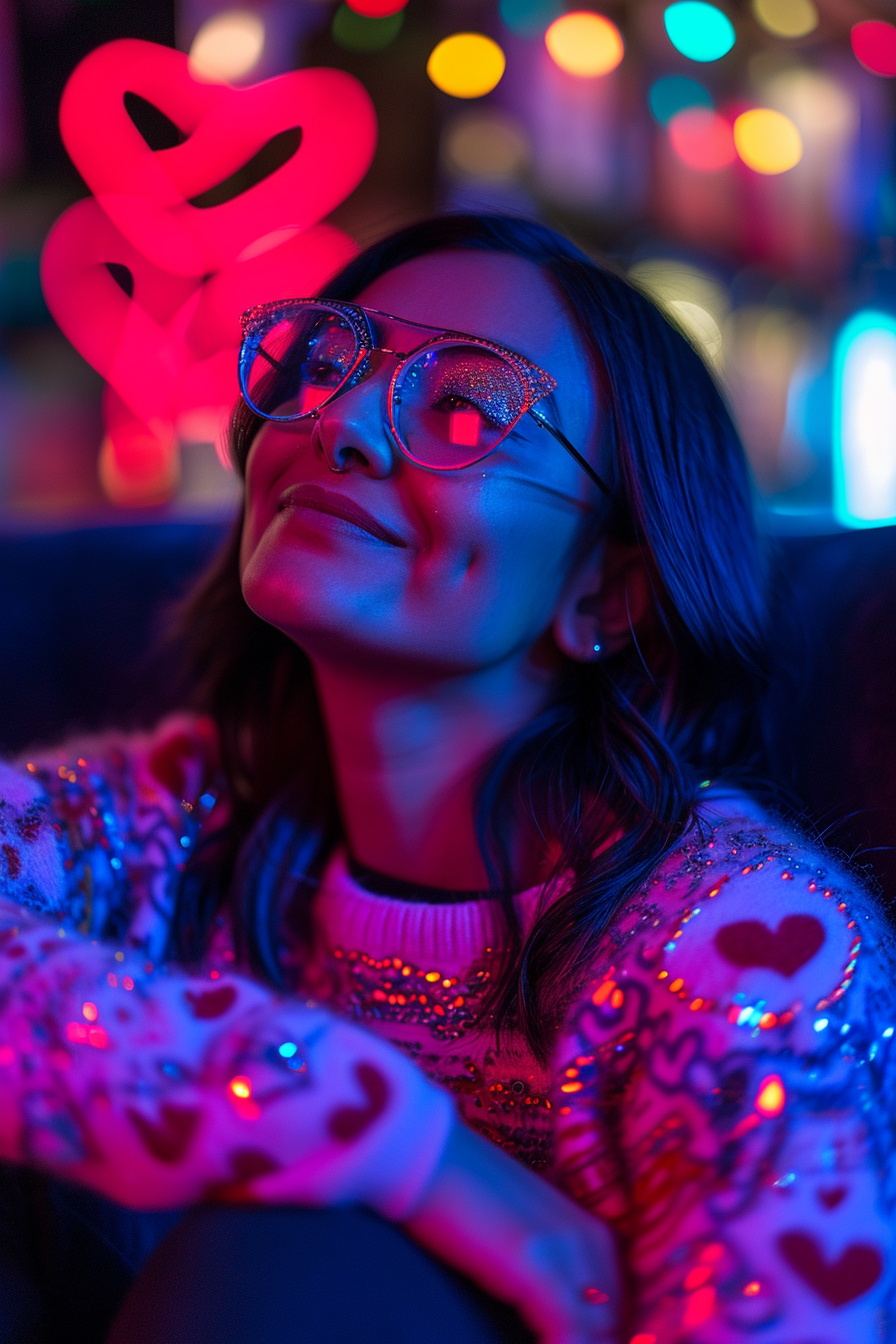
pixel 767 141
pixel 702 139
pixel 874 46
pixel 585 44
pixel 227 46
pixel 698 30
pixel 674 93
pixel 356 32
pixel 823 111
pixel 771 1097
pixel 694 301
pixel 137 467
pixel 864 415
pixel 786 18
pixel 529 18
pixel 466 65
pixel 487 144
pixel 376 9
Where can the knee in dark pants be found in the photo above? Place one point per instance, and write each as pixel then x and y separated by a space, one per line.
pixel 253 1275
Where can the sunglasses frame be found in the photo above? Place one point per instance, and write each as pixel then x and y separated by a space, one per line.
pixel 537 383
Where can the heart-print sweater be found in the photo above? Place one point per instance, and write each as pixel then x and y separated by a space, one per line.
pixel 722 1093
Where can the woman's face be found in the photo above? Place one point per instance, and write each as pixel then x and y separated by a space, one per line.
pixel 477 559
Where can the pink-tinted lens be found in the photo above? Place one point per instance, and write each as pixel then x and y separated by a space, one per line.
pixel 454 403
pixel 300 361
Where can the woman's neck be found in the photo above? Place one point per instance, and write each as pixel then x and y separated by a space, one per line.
pixel 407 756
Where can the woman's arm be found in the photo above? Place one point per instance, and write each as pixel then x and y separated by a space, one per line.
pixel 726 1093
pixel 160 1089
pixel 96 830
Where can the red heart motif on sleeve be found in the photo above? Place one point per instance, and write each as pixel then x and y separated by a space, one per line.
pixel 854 1272
pixel 169 1137
pixel 211 1003
pixel 831 1196
pixel 349 1122
pixel 752 943
pixel 149 195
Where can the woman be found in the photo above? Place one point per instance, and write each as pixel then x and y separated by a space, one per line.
pixel 490 630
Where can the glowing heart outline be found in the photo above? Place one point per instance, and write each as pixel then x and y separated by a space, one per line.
pixel 146 193
pixel 171 348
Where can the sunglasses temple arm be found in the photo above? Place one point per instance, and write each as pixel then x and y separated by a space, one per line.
pixel 562 439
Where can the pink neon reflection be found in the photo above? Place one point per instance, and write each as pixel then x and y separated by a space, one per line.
pixel 464 427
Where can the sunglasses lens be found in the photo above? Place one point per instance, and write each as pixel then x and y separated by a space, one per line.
pixel 300 360
pixel 454 403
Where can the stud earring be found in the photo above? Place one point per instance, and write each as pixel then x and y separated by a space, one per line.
pixel 596 648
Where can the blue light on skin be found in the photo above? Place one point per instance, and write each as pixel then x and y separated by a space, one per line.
pixel 674 93
pixel 864 412
pixel 698 30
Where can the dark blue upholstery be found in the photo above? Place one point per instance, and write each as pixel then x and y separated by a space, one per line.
pixel 80 612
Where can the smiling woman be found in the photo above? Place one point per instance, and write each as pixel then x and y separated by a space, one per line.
pixel 456 835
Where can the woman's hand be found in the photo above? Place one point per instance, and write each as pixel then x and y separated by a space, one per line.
pixel 522 1241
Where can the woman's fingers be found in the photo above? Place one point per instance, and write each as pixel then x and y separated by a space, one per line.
pixel 522 1241
pixel 565 1292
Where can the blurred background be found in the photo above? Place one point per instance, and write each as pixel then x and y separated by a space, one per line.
pixel 736 160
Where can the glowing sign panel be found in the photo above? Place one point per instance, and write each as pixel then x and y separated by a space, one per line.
pixel 865 421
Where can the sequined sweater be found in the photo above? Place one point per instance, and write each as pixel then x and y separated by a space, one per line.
pixel 722 1092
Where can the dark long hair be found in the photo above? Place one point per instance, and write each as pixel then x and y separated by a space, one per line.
pixel 609 772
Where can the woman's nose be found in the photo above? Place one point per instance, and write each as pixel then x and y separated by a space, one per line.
pixel 352 432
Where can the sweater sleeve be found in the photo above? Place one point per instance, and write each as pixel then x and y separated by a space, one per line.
pixel 158 1089
pixel 726 1088
pixel 95 831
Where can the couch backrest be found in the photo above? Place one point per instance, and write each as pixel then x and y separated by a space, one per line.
pixel 81 610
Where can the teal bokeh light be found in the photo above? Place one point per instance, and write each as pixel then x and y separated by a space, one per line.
pixel 529 18
pixel 864 421
pixel 673 93
pixel 699 31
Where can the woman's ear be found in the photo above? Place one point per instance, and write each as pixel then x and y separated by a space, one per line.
pixel 608 595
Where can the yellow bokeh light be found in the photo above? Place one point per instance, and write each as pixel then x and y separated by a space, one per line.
pixel 786 18
pixel 466 65
pixel 227 45
pixel 584 44
pixel 694 300
pixel 700 326
pixel 486 144
pixel 767 141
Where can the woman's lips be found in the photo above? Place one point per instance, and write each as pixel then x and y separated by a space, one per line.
pixel 328 501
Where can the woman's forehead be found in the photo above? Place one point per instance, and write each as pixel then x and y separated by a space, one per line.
pixel 503 298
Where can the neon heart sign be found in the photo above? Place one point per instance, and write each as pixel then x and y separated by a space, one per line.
pixel 150 195
pixel 169 348
pixel 149 279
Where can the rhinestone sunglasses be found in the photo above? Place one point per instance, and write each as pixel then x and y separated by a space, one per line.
pixel 451 400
